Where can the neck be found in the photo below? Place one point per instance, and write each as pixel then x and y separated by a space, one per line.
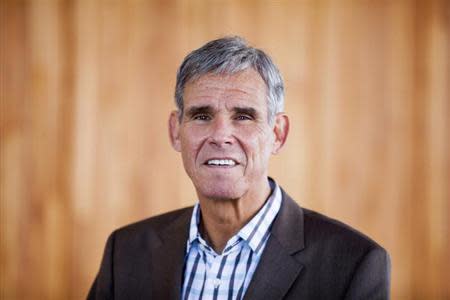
pixel 222 219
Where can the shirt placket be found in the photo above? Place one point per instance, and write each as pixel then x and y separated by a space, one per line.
pixel 212 273
pixel 215 270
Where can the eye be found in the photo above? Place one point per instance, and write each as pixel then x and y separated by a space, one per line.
pixel 243 117
pixel 202 117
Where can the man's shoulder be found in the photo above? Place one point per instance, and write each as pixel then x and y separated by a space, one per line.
pixel 323 230
pixel 333 254
pixel 156 224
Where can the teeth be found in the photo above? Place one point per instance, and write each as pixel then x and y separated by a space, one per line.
pixel 221 162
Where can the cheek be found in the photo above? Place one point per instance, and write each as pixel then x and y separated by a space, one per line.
pixel 257 145
pixel 191 144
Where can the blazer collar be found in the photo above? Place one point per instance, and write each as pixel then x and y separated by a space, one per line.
pixel 288 226
pixel 278 269
pixel 168 259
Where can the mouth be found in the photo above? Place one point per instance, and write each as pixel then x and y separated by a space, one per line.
pixel 226 162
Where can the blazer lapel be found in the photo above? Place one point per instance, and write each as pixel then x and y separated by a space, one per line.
pixel 168 259
pixel 278 269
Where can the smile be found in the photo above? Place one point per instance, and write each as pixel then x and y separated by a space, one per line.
pixel 221 162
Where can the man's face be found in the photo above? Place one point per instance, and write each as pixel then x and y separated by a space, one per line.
pixel 224 135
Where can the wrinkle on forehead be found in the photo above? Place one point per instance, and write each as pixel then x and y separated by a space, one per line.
pixel 245 82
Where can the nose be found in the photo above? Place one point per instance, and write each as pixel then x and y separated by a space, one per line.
pixel 221 132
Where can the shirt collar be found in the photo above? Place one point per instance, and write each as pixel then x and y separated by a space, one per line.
pixel 194 233
pixel 256 230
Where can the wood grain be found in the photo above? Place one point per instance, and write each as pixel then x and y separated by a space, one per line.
pixel 87 87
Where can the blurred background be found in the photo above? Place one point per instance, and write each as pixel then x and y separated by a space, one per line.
pixel 87 87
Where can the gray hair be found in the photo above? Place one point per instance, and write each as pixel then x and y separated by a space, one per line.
pixel 230 55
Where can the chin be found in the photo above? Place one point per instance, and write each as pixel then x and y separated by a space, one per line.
pixel 220 191
pixel 218 196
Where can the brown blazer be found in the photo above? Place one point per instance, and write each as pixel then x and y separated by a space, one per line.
pixel 308 256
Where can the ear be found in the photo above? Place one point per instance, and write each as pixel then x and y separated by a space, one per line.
pixel 281 131
pixel 174 131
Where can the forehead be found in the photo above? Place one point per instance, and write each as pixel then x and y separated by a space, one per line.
pixel 243 87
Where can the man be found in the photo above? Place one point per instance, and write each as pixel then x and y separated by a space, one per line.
pixel 245 238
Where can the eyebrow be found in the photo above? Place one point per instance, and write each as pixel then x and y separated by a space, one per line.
pixel 246 111
pixel 206 109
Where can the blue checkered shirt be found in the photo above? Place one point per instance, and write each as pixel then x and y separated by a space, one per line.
pixel 208 275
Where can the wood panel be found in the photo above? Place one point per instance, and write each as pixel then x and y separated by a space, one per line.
pixel 87 86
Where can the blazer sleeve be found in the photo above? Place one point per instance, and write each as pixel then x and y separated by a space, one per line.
pixel 103 286
pixel 371 279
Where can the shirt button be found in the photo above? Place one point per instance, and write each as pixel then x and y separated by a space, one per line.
pixel 217 282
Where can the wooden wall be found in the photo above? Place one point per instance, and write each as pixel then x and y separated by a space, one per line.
pixel 87 86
